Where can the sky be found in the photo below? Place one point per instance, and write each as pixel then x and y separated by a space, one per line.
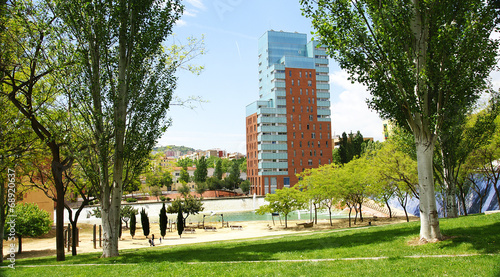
pixel 229 82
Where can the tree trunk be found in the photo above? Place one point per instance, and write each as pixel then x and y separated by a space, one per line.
pixel 451 190
pixel 429 221
pixel 57 171
pixel 20 246
pixel 388 207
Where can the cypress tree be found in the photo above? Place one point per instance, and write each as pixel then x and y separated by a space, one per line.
pixel 145 222
pixel 132 224
pixel 163 221
pixel 180 222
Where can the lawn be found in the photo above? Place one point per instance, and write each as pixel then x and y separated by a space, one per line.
pixel 472 248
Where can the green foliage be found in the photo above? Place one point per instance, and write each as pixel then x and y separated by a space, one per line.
pixel 184 176
pixel 201 172
pixel 283 201
pixel 155 191
pixel 163 221
pixel 133 224
pixel 180 221
pixel 190 205
pixel 185 163
pixel 245 186
pixel 201 188
pixel 145 223
pixel 131 200
pixel 184 190
pixel 350 147
pixel 31 221
pixel 218 170
pixel 183 149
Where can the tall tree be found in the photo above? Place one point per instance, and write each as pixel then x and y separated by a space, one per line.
pixel 218 169
pixel 31 61
pixel 145 223
pixel 201 172
pixel 124 69
pixel 418 59
pixel 163 221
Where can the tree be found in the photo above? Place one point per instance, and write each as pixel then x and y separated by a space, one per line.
pixel 283 201
pixel 233 181
pixel 201 172
pixel 155 191
pixel 126 212
pixel 123 70
pixel 245 186
pixel 34 59
pixel 30 221
pixel 184 176
pixel 133 222
pixel 145 222
pixel 410 56
pixel 163 221
pixel 218 170
pixel 180 221
pixel 201 188
pixel 190 205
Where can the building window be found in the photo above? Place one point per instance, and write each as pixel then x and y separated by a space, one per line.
pixel 291 117
pixel 301 162
pixel 321 153
pixel 307 109
pixel 300 117
pixel 300 126
pixel 292 82
pixel 309 83
pixel 293 98
pixel 314 153
pixel 310 153
pixel 293 108
pixel 293 162
pixel 310 74
pixel 290 91
pixel 326 143
pixel 313 135
pixel 314 125
pixel 301 109
pixel 292 144
pixel 319 144
pixel 298 82
pixel 300 74
pixel 293 134
pixel 300 143
pixel 302 154
pixel 307 92
pixel 302 134
pixel 307 126
pixel 313 100
pixel 299 100
pixel 294 153
pixel 310 118
pixel 312 91
pixel 290 73
pixel 308 144
pixel 319 161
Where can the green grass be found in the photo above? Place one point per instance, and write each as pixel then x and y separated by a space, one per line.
pixel 292 255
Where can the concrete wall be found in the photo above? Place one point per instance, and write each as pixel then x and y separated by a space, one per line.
pixel 153 209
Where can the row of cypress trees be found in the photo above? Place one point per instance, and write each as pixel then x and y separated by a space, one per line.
pixel 163 222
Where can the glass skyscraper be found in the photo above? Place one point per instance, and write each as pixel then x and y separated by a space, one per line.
pixel 288 128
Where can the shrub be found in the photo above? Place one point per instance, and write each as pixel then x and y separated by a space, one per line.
pixel 131 199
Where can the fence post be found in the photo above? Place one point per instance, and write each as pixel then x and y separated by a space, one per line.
pixel 94 236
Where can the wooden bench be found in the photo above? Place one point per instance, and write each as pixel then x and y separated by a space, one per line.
pixel 239 227
pixel 189 230
pixel 306 224
pixel 210 228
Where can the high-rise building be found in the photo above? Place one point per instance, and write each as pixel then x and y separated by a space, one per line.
pixel 288 128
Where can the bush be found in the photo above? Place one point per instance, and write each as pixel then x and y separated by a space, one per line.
pixel 131 199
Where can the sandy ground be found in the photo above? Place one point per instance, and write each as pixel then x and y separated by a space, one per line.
pixel 36 247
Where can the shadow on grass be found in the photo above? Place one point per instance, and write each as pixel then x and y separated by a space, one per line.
pixel 482 233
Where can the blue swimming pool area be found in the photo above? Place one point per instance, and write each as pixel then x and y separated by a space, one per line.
pixel 252 216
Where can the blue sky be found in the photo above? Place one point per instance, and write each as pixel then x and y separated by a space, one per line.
pixel 229 82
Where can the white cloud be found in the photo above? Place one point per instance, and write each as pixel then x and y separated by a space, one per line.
pixel 180 23
pixel 197 4
pixel 190 13
pixel 349 110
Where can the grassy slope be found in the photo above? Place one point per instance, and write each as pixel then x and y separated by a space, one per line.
pixel 478 234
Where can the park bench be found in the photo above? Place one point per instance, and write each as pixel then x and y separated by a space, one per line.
pixel 239 227
pixel 210 228
pixel 306 224
pixel 189 230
